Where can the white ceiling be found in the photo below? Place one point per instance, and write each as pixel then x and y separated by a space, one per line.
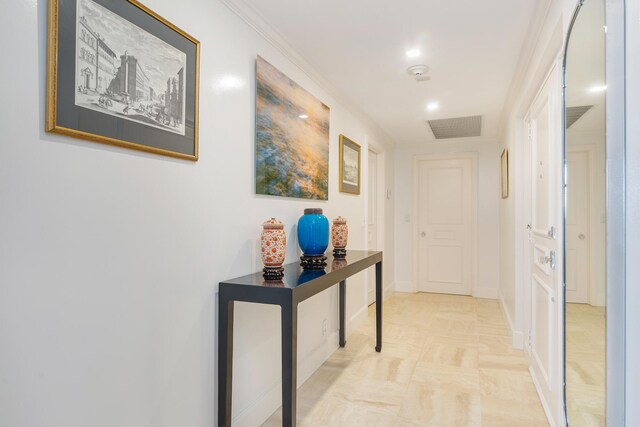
pixel 359 46
pixel 586 67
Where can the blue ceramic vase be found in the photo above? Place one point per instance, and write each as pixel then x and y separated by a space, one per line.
pixel 313 232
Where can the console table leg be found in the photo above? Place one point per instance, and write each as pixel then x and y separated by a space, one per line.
pixel 225 360
pixel 342 298
pixel 289 362
pixel 379 306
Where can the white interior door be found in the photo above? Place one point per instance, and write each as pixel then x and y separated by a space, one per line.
pixel 446 225
pixel 578 229
pixel 546 183
pixel 372 219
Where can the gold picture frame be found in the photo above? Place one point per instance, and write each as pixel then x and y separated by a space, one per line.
pixel 504 174
pixel 350 168
pixel 167 124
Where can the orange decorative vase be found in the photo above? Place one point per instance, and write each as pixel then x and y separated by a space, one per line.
pixel 339 237
pixel 273 247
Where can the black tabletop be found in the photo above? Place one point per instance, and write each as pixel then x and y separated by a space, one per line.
pixel 295 276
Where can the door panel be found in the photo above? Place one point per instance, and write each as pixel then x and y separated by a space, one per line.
pixel 545 130
pixel 446 222
pixel 540 256
pixel 445 186
pixel 543 312
pixel 445 264
pixel 540 133
pixel 577 226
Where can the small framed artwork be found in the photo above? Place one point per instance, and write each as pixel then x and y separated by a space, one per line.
pixel 504 174
pixel 119 74
pixel 349 166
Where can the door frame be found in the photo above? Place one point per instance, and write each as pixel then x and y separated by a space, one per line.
pixel 526 214
pixel 380 210
pixel 623 205
pixel 470 155
pixel 553 409
pixel 379 215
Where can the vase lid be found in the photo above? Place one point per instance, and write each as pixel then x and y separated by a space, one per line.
pixel 273 224
pixel 339 220
pixel 313 211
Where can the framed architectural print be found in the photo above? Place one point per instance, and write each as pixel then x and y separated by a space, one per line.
pixel 349 166
pixel 119 74
pixel 504 174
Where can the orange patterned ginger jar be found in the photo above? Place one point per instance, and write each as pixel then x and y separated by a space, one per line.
pixel 273 244
pixel 339 237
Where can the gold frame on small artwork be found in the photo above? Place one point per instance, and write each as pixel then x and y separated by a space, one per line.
pixel 346 187
pixel 51 124
pixel 504 174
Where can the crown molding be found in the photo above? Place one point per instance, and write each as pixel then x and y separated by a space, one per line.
pixel 255 20
pixel 531 42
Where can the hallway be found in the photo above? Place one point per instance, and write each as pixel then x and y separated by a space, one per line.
pixel 471 166
pixel 446 361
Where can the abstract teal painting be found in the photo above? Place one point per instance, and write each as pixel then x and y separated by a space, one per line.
pixel 292 138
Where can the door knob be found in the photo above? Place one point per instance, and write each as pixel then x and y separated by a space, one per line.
pixel 581 236
pixel 423 234
pixel 551 260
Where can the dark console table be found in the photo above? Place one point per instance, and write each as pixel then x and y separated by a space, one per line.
pixel 296 286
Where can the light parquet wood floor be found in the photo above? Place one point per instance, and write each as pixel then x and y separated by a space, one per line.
pixel 586 366
pixel 446 361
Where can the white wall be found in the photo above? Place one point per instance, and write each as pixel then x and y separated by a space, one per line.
pixel 110 258
pixel 509 286
pixel 488 221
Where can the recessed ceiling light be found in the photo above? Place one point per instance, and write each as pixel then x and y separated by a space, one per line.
pixel 413 53
pixel 596 89
pixel 303 116
pixel 432 106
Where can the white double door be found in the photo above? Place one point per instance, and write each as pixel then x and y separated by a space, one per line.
pixel 447 222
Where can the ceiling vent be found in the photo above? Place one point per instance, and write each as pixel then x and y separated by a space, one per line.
pixel 458 127
pixel 574 113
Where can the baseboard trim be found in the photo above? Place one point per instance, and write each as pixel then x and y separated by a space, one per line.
pixel 517 337
pixel 405 286
pixel 488 293
pixel 356 320
pixel 517 340
pixel 388 291
pixel 545 405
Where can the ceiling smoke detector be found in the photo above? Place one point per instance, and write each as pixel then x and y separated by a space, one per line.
pixel 419 72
